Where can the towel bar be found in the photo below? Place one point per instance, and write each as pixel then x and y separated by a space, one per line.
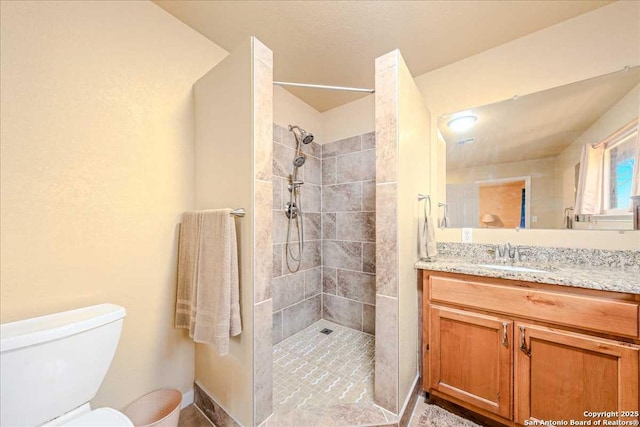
pixel 240 212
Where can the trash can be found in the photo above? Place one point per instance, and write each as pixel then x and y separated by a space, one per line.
pixel 160 408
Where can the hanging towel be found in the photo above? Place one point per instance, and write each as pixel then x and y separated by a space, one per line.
pixel 589 194
pixel 208 298
pixel 444 221
pixel 427 237
pixel 187 267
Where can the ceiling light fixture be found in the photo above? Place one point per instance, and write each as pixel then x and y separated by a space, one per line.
pixel 462 123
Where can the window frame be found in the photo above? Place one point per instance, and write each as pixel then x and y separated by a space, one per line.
pixel 605 210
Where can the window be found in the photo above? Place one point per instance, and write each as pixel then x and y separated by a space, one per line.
pixel 618 174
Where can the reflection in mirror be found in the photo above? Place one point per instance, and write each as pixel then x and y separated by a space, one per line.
pixel 566 157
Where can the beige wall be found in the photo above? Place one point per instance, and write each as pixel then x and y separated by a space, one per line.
pixel 596 43
pixel 355 118
pixel 97 166
pixel 401 173
pixel 288 109
pixel 386 377
pixel 623 112
pixel 413 155
pixel 545 204
pixel 262 94
pixel 601 239
pixel 589 45
pixel 224 178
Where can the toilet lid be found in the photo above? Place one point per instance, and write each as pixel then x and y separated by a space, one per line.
pixel 102 417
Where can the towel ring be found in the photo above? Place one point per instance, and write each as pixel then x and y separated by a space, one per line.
pixel 428 199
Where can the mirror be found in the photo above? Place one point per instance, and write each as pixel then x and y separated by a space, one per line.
pixel 516 163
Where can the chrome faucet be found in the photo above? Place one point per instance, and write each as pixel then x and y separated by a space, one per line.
pixel 508 251
pixel 498 252
pixel 501 251
pixel 517 252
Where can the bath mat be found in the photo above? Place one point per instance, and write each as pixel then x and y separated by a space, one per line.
pixel 435 416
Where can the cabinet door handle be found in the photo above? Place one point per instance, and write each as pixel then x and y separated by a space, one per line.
pixel 505 338
pixel 523 343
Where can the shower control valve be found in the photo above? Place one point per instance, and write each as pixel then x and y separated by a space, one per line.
pixel 291 210
pixel 294 185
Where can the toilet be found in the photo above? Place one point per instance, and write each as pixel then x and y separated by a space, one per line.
pixel 52 366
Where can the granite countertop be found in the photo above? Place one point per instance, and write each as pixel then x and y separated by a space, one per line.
pixel 607 278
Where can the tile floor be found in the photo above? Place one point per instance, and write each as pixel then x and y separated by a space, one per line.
pixel 424 415
pixel 312 369
pixel 192 417
pixel 327 380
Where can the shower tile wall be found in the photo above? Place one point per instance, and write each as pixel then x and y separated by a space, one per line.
pixel 297 299
pixel 349 232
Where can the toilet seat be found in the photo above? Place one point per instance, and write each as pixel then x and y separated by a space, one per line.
pixel 101 417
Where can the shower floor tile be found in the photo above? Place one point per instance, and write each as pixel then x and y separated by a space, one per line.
pixel 312 370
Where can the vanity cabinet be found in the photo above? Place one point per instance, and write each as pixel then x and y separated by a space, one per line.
pixel 520 351
pixel 560 375
pixel 472 358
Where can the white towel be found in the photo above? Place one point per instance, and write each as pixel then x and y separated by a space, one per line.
pixel 188 251
pixel 208 297
pixel 427 238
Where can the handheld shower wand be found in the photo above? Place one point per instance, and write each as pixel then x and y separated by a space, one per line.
pixel 293 208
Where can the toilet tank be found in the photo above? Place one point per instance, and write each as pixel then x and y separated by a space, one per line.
pixel 52 364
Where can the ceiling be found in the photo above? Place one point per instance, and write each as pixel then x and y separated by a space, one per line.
pixel 336 42
pixel 535 126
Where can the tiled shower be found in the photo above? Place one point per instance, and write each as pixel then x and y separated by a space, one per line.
pixel 349 232
pixel 335 288
pixel 297 299
pixel 336 278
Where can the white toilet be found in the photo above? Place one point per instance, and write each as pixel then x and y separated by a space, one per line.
pixel 52 366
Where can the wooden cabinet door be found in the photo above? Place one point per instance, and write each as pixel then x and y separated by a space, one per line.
pixel 470 358
pixel 560 375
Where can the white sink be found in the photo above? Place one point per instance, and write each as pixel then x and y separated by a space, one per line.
pixel 512 268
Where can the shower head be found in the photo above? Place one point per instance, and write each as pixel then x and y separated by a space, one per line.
pixel 299 160
pixel 306 137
